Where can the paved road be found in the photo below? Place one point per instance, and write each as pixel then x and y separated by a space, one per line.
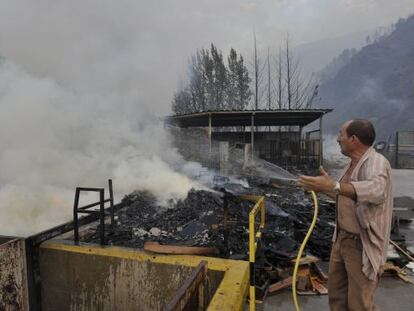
pixel 403 183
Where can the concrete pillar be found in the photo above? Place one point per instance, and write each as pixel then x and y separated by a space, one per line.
pixel 247 156
pixel 224 157
pixel 252 135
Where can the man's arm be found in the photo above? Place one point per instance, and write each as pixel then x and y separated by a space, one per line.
pixel 325 184
pixel 348 190
pixel 331 194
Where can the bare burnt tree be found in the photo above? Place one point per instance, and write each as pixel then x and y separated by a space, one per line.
pixel 258 71
pixel 313 97
pixel 289 64
pixel 256 74
pixel 279 77
pixel 269 82
pixel 299 87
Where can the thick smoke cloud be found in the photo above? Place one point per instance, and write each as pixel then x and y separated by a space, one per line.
pixel 53 139
pixel 76 108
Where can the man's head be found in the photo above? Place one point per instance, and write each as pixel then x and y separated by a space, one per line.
pixel 356 135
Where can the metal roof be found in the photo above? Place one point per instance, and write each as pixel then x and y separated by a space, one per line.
pixel 297 117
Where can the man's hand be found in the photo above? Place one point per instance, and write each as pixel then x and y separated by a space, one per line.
pixel 323 183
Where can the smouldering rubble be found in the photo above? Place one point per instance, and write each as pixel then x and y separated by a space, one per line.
pixel 198 221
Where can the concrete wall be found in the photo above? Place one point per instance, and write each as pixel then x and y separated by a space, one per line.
pixel 79 281
pixel 13 276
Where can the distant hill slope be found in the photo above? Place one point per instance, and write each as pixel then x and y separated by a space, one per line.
pixel 314 56
pixel 377 83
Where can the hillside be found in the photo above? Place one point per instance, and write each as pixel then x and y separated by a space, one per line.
pixel 314 56
pixel 377 83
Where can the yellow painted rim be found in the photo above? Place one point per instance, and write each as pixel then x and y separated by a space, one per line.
pixel 230 295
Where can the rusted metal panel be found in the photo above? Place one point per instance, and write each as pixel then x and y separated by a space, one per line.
pixel 13 276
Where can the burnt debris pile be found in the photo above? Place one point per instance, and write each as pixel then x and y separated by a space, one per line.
pixel 198 220
pixel 184 222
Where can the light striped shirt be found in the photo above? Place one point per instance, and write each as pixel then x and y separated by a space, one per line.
pixel 372 181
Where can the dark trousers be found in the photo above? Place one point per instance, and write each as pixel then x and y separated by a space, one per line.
pixel 348 287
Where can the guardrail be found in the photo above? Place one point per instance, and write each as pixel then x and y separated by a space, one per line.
pixel 254 240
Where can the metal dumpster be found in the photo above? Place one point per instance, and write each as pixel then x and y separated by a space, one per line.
pixel 93 277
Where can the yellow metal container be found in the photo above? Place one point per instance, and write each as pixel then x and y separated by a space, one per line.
pixel 92 277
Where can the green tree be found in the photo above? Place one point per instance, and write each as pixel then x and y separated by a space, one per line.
pixel 213 86
pixel 183 102
pixel 238 91
pixel 232 89
pixel 220 81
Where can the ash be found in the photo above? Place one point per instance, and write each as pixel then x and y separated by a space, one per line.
pixel 198 221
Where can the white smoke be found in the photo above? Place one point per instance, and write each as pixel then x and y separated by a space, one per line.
pixel 332 151
pixel 73 113
pixel 53 139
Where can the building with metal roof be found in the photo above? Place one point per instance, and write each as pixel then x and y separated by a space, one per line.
pixel 274 135
pixel 298 117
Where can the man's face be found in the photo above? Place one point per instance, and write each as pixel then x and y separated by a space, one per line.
pixel 345 142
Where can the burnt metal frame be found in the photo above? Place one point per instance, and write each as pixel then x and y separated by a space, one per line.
pixel 193 284
pixel 84 209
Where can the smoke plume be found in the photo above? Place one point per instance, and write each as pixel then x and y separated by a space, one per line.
pixel 73 112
